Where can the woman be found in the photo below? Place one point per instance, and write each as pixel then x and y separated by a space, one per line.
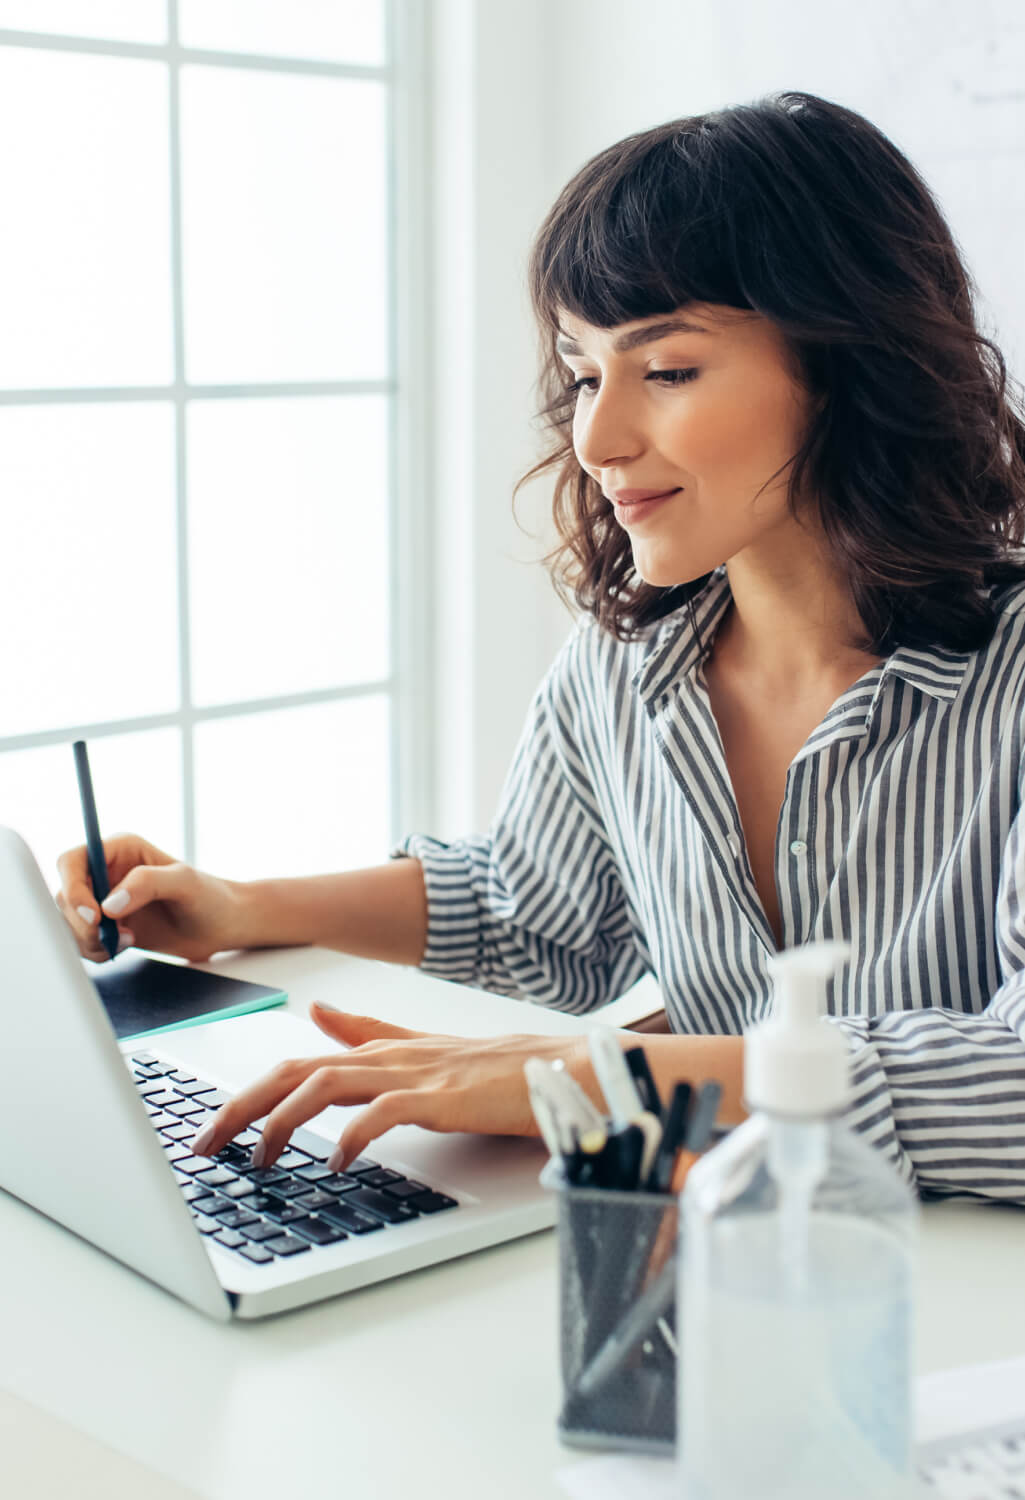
pixel 791 707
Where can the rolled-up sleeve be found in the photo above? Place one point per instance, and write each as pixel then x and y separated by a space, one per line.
pixel 942 1093
pixel 534 909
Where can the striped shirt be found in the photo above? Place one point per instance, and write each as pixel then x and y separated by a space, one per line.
pixel 617 850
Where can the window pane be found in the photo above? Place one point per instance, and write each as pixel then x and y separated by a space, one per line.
pixel 88 570
pixel 288 545
pixel 350 31
pixel 85 282
pixel 301 791
pixel 137 781
pixel 114 20
pixel 284 227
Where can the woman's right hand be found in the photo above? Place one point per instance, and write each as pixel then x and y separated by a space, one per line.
pixel 171 907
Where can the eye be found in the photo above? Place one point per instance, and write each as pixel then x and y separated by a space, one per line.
pixel 669 378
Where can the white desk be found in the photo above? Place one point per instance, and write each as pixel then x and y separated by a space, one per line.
pixel 440 1383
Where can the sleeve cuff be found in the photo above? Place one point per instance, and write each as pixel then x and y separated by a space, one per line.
pixel 455 938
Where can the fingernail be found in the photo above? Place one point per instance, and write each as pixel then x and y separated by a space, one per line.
pixel 336 1161
pixel 323 1005
pixel 258 1153
pixel 115 903
pixel 202 1140
pixel 86 913
pixel 125 940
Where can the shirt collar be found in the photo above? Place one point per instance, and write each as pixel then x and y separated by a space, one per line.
pixel 674 651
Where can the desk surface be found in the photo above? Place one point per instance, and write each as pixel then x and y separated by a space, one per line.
pixel 443 1382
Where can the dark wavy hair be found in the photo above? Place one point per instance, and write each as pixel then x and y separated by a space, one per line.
pixel 805 212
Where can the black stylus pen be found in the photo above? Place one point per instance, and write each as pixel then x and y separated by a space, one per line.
pixel 94 846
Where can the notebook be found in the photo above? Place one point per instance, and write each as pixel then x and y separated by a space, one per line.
pixel 145 996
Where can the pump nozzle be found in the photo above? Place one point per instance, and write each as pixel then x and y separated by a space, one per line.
pixel 796 1063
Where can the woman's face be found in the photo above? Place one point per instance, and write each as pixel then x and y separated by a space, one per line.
pixel 714 433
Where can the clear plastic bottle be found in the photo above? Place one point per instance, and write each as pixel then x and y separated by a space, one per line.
pixel 795 1279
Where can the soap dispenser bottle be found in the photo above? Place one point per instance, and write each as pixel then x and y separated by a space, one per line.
pixel 795 1278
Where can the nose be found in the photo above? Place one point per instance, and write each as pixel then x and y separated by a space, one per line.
pixel 606 434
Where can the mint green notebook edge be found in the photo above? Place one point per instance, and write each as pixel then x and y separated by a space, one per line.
pixel 262 1002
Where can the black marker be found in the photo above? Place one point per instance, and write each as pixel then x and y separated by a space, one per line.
pixel 637 1062
pixel 94 845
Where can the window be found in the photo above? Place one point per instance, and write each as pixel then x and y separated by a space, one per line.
pixel 198 430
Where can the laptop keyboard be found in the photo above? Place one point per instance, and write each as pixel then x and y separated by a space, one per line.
pixel 270 1213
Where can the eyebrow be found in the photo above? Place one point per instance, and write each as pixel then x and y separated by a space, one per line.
pixel 637 337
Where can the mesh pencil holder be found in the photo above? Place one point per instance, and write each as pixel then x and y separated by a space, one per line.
pixel 618 1377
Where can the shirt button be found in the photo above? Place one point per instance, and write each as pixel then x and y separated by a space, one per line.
pixel 798 846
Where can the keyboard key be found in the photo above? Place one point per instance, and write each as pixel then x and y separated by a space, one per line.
pixel 236 1218
pixel 240 1188
pixel 288 1187
pixel 212 1098
pixel 290 1158
pixel 183 1107
pixel 380 1177
pixel 208 1203
pixel 261 1231
pixel 377 1203
pixel 338 1182
pixel 180 1078
pixel 267 1176
pixel 144 1059
pixel 258 1253
pixel 282 1212
pixel 161 1097
pixel 190 1086
pixel 402 1189
pixel 205 1225
pixel 216 1177
pixel 313 1173
pixel 148 1087
pixel 350 1218
pixel 232 1153
pixel 432 1203
pixel 190 1165
pixel 229 1237
pixel 362 1164
pixel 249 1138
pixel 177 1152
pixel 287 1244
pixel 319 1231
pixel 260 1202
pixel 314 1199
pixel 161 1120
pixel 194 1191
pixel 177 1132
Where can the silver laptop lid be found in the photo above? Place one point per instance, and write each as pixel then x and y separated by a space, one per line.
pixel 75 1141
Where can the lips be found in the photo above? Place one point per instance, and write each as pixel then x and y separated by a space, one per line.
pixel 633 497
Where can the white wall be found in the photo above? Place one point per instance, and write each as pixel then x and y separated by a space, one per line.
pixel 523 95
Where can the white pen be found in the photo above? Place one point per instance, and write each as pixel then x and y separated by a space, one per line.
pixel 549 1123
pixel 620 1090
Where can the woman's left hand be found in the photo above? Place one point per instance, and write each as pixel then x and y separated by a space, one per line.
pixel 404 1078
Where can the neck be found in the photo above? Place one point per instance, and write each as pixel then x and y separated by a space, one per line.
pixel 790 629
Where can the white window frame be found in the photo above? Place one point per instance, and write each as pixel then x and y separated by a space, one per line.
pixel 409 684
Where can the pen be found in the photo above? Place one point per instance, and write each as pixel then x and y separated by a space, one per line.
pixel 673 1137
pixel 699 1131
pixel 620 1090
pixel 647 1088
pixel 94 846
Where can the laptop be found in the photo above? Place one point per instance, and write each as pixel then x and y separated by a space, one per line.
pixel 95 1134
